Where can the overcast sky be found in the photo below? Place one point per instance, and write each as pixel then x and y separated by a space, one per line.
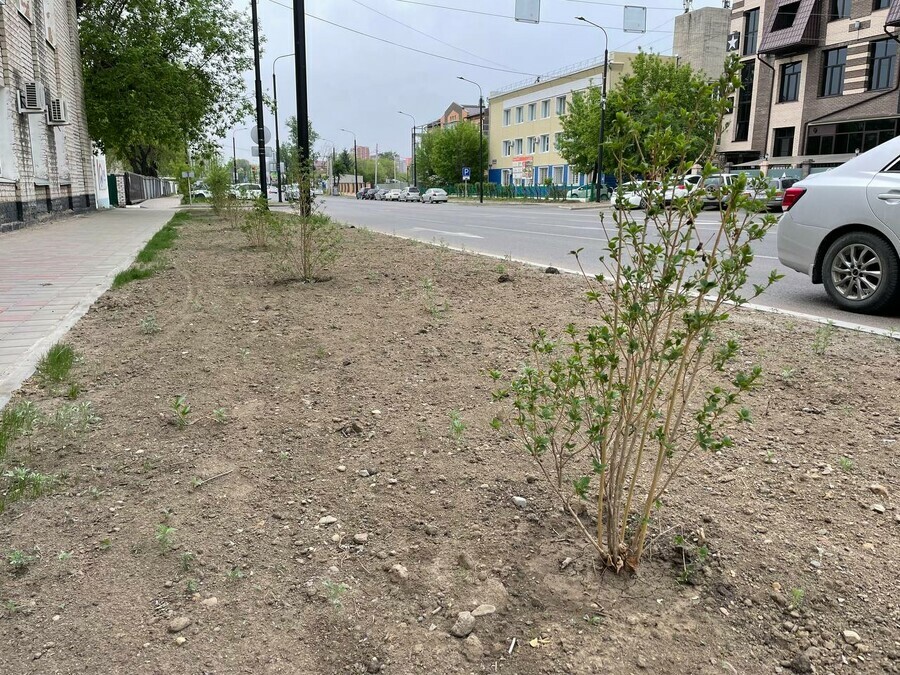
pixel 359 83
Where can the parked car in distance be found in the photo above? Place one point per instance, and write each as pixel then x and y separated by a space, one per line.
pixel 581 192
pixel 246 191
pixel 713 185
pixel 434 195
pixel 392 195
pixel 779 185
pixel 370 193
pixel 361 194
pixel 379 193
pixel 410 194
pixel 201 192
pixel 634 194
pixel 683 187
pixel 842 228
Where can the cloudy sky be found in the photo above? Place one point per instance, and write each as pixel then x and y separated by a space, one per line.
pixel 359 83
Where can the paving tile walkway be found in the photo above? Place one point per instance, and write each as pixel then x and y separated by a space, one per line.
pixel 50 274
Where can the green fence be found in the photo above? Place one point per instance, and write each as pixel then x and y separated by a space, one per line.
pixel 534 192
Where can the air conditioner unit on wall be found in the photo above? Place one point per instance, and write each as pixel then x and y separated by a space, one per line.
pixel 32 99
pixel 57 112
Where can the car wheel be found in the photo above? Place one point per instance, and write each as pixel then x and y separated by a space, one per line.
pixel 861 272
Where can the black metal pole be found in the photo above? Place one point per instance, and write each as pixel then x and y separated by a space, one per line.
pixel 355 166
pixel 480 147
pixel 260 123
pixel 277 140
pixel 333 160
pixel 302 105
pixel 601 174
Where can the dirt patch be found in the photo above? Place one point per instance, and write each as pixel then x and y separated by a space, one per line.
pixel 358 521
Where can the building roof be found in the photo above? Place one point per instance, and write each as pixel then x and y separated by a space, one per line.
pixel 552 75
pixel 893 17
pixel 800 32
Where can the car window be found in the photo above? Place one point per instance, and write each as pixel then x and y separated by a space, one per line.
pixel 893 168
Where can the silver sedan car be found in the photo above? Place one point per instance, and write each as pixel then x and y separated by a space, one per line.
pixel 842 228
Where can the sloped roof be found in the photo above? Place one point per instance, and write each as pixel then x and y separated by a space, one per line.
pixel 893 17
pixel 801 33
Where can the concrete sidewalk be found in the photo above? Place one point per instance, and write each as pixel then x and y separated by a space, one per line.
pixel 50 274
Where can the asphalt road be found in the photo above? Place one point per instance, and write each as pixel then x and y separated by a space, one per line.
pixel 545 235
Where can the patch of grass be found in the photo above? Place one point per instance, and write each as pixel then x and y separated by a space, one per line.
pixel 846 464
pixel 55 365
pixel 798 595
pixel 19 561
pixel 457 426
pixel 149 326
pixel 73 418
pixel 73 391
pixel 822 339
pixel 220 415
pixel 187 561
pixel 236 574
pixel 164 537
pixel 335 591
pixel 23 483
pixel 161 241
pixel 181 410
pixel 16 420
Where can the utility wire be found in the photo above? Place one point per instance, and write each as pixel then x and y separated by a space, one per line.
pixel 507 16
pixel 622 4
pixel 412 49
pixel 432 37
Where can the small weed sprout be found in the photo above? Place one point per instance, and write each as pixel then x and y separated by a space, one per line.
pixel 73 392
pixel 181 411
pixel 846 464
pixel 822 339
pixel 73 418
pixel 236 574
pixel 16 420
pixel 55 365
pixel 798 595
pixel 164 537
pixel 770 457
pixel 335 592
pixel 19 561
pixel 259 224
pixel 64 555
pixel 220 416
pixel 457 426
pixel 787 374
pixel 187 560
pixel 105 544
pixel 192 587
pixel 149 326
pixel 692 558
pixel 431 304
pixel 23 483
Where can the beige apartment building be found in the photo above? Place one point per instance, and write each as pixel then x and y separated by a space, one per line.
pixel 525 121
pixel 819 81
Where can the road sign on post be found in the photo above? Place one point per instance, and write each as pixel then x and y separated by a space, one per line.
pixel 467 173
pixel 528 11
pixel 266 149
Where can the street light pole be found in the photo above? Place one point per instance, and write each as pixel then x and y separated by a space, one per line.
pixel 277 138
pixel 260 123
pixel 302 106
pixel 480 138
pixel 355 162
pixel 601 174
pixel 413 144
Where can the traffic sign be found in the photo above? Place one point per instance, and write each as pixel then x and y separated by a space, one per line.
pixel 187 174
pixel 254 134
pixel 268 152
pixel 467 173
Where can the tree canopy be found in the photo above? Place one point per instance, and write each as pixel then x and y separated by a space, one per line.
pixel 289 150
pixel 443 152
pixel 162 76
pixel 657 96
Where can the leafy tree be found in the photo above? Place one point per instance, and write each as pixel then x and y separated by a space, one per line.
pixel 444 152
pixel 653 78
pixel 160 76
pixel 343 164
pixel 289 154
pixel 385 168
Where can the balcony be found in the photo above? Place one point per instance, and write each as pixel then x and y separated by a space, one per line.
pixel 792 26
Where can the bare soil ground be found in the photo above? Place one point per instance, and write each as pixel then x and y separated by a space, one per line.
pixel 338 398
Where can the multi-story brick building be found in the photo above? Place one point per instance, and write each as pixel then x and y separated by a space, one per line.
pixel 363 152
pixel 526 119
pixel 45 151
pixel 456 113
pixel 819 80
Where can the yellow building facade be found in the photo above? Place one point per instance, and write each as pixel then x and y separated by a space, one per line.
pixel 526 122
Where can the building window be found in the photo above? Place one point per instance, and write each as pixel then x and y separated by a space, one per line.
pixel 532 111
pixel 882 54
pixel 24 7
pixel 751 31
pixel 880 4
pixel 784 142
pixel 519 146
pixel 557 175
pixel 531 144
pixel 507 148
pixel 848 137
pixel 840 9
pixel 785 16
pixel 520 117
pixel 50 23
pixel 506 117
pixel 833 72
pixel 560 105
pixel 745 102
pixel 543 174
pixel 790 82
pixel 545 143
pixel 545 109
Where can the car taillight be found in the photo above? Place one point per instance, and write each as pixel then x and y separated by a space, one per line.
pixel 791 197
pixel 779 193
pixel 679 187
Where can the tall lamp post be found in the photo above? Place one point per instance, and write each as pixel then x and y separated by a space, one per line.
pixel 260 123
pixel 331 169
pixel 481 137
pixel 355 160
pixel 234 153
pixel 277 140
pixel 413 144
pixel 601 174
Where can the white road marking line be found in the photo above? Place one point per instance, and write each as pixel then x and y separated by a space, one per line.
pixel 449 234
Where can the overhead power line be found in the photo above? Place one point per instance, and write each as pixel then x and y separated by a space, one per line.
pixel 510 17
pixel 622 4
pixel 428 35
pixel 411 49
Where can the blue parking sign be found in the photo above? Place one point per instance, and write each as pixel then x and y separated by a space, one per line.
pixel 467 173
